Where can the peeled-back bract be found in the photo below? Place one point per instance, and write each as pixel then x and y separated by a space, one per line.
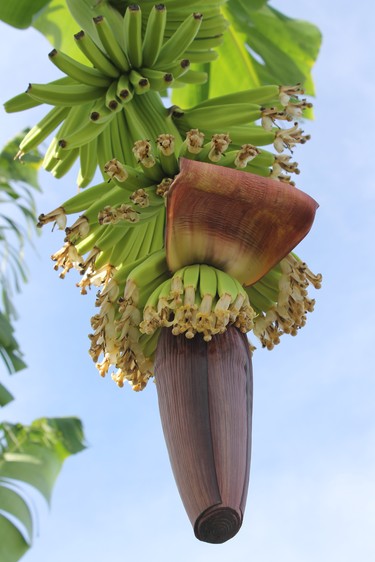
pixel 239 222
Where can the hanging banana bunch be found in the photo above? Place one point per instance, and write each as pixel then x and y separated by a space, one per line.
pixel 102 103
pixel 191 231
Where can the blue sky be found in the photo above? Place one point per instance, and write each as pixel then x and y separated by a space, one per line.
pixel 312 487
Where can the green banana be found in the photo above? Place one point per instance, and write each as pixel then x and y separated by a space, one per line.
pixel 159 232
pixel 136 128
pixel 84 199
pixel 86 244
pixel 153 266
pixel 124 91
pixel 133 35
pixel 161 292
pixel 158 79
pixel 144 249
pixel 115 21
pixel 259 95
pixel 246 134
pixel 175 47
pixel 154 35
pixel 257 300
pixel 111 99
pixel 270 292
pixel 72 122
pixel 145 278
pixel 101 113
pixel 201 56
pixel 116 141
pixel 147 197
pixel 126 138
pixel 222 116
pixel 207 281
pixel 114 196
pixel 226 285
pixel 140 83
pixel 206 43
pixel 132 178
pixel 78 71
pixel 110 44
pixel 191 279
pixel 66 95
pixel 166 149
pixel 95 55
pixel 161 121
pixel 86 133
pixel 64 164
pixel 194 77
pixel 105 151
pixel 126 251
pixel 149 343
pixel 43 129
pixel 50 160
pixel 214 150
pixel 21 102
pixel 103 248
pixel 89 161
pixel 146 290
pixel 178 69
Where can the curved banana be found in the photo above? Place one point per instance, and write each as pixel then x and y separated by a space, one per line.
pixel 159 80
pixel 111 99
pixel 110 44
pixel 221 116
pixel 124 91
pixel 260 95
pixel 43 129
pixel 175 47
pixel 68 95
pixel 23 101
pixel 83 199
pixel 85 134
pixel 140 83
pixel 95 55
pixel 133 35
pixel 152 267
pixel 194 77
pixel 64 164
pixel 154 35
pixel 89 160
pixel 78 71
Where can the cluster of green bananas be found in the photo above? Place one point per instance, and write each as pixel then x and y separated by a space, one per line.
pixel 101 102
pixel 117 244
pixel 280 300
pixel 101 121
pixel 109 112
pixel 198 299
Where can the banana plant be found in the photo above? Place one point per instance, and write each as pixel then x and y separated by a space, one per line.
pixel 190 236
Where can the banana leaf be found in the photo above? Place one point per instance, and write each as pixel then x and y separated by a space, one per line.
pixel 31 455
pixel 261 46
pixel 20 13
